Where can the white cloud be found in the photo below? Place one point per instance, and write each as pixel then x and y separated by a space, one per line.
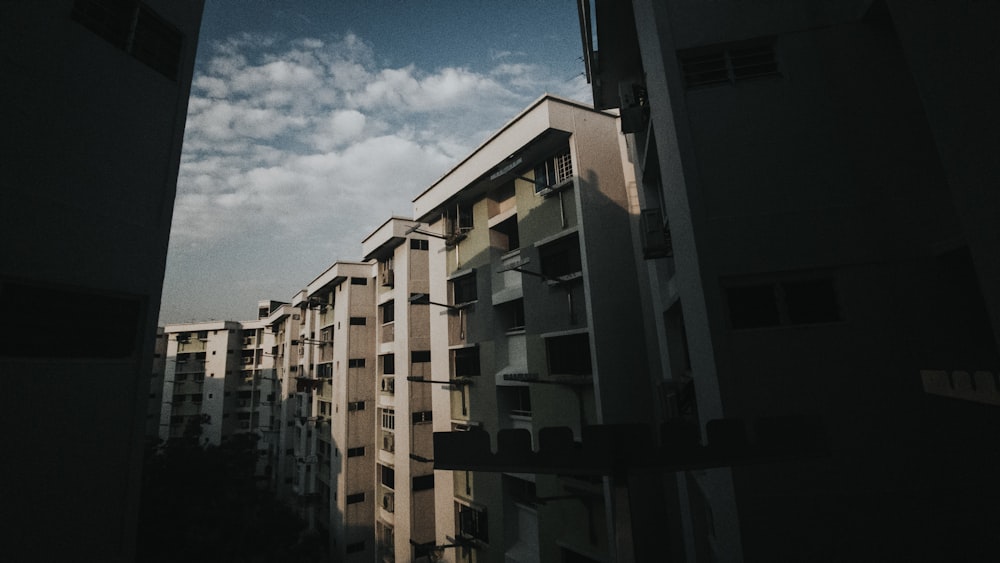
pixel 307 145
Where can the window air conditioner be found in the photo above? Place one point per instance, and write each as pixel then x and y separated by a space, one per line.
pixel 388 501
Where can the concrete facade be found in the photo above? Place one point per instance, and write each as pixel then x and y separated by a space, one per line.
pixel 335 404
pixel 93 125
pixel 404 475
pixel 536 322
pixel 812 250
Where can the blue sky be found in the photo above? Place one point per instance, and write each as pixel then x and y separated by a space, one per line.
pixel 311 122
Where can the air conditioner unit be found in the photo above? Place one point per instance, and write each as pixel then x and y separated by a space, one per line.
pixel 389 501
pixel 392 385
pixel 389 442
pixel 296 317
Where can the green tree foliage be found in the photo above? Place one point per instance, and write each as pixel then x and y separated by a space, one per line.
pixel 206 504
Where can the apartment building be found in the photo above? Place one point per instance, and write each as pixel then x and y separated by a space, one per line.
pixel 536 321
pixel 94 103
pixel 821 240
pixel 404 473
pixel 201 374
pixel 326 369
pixel 155 401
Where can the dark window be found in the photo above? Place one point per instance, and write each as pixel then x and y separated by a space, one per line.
pixel 459 219
pixel 387 476
pixel 466 361
pixel 753 306
pixel 134 28
pixel 569 355
pixel 355 498
pixel 728 64
pixel 514 400
pixel 358 321
pixel 356 406
pixel 418 244
pixel 811 301
pixel 359 281
pixel 791 302
pixel 388 310
pixel 464 289
pixel 356 452
pixel 422 416
pixel 511 315
pixel 472 523
pixel 423 482
pixel 561 257
pixel 553 171
pixel 420 356
pixel 156 43
pixel 356 363
pixel 388 364
pixel 356 547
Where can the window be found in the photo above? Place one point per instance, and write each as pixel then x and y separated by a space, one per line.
pixel 355 547
pixel 387 476
pixel 561 257
pixel 463 289
pixel 423 482
pixel 358 321
pixel 418 244
pixel 553 171
pixel 511 314
pixel 388 311
pixel 389 419
pixel 356 406
pixel 422 416
pixel 134 28
pixel 792 302
pixel 359 281
pixel 420 356
pixel 515 400
pixel 465 361
pixel 728 64
pixel 569 354
pixel 472 522
pixel 355 498
pixel 458 219
pixel 356 363
pixel 356 452
pixel 388 364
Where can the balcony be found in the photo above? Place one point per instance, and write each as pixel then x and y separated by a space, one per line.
pixel 388 385
pixel 388 443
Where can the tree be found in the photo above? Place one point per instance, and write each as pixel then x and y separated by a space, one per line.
pixel 205 504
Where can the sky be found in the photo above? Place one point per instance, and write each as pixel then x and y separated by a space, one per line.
pixel 311 122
